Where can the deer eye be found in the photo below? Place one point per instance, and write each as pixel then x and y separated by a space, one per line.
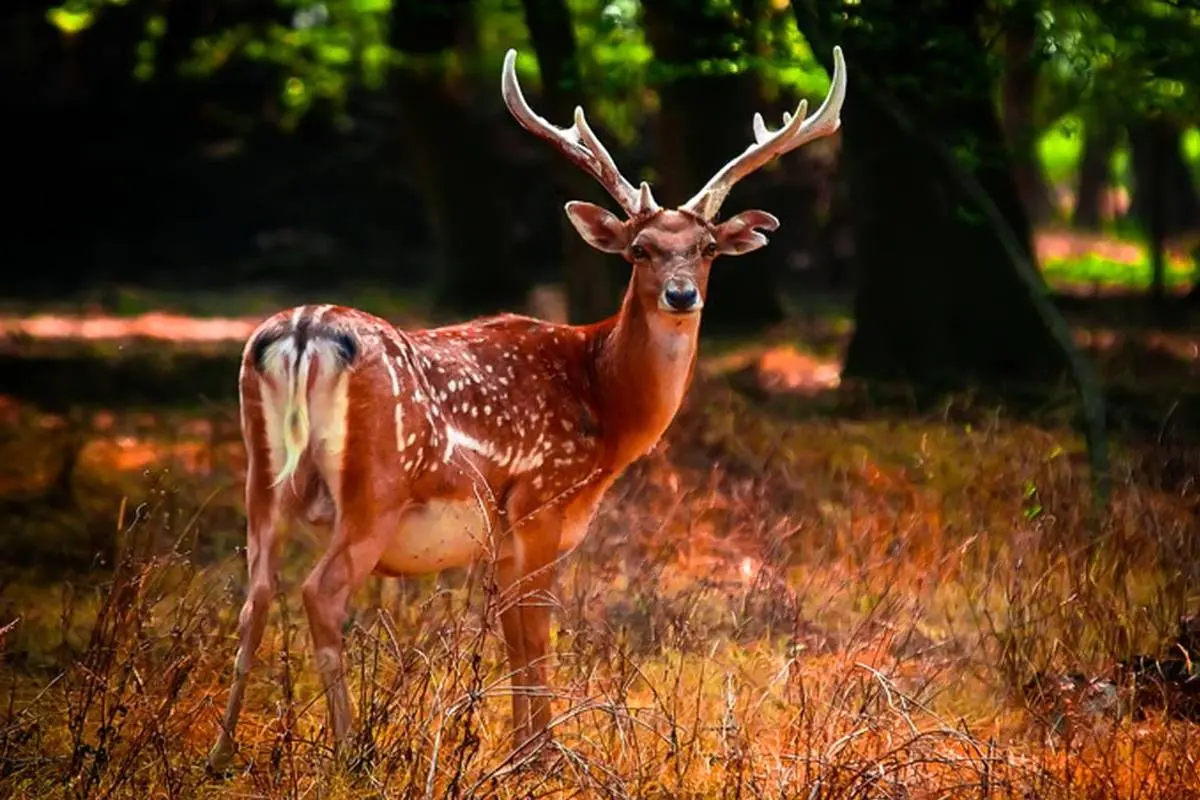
pixel 638 252
pixel 710 249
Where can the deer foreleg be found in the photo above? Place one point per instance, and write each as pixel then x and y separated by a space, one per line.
pixel 525 579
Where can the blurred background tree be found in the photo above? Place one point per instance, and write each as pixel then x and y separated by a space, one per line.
pixel 317 145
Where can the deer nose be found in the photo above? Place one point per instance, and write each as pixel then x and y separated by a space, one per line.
pixel 680 295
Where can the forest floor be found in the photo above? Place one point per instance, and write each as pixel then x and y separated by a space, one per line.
pixel 799 593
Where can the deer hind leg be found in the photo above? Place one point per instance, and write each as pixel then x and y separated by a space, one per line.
pixel 525 577
pixel 358 542
pixel 264 518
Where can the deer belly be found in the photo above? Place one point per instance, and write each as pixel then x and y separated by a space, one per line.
pixel 436 535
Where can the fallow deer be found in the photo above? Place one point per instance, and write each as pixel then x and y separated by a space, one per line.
pixel 423 450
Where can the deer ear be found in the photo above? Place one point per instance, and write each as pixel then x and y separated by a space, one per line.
pixel 599 227
pixel 737 235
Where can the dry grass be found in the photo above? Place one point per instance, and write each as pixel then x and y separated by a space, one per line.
pixel 772 605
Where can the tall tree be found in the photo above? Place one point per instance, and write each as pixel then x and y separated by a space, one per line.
pixel 1164 198
pixel 451 153
pixel 1099 142
pixel 1161 174
pixel 707 102
pixel 1022 64
pixel 588 273
pixel 1142 58
pixel 940 302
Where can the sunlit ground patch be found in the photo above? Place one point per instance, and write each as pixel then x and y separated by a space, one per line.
pixel 152 325
pixel 1083 263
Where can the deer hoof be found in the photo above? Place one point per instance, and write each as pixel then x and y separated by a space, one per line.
pixel 220 760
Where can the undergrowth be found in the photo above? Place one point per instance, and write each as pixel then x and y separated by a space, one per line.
pixel 765 607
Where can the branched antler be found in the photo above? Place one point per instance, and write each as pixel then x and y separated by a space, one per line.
pixel 578 143
pixel 768 144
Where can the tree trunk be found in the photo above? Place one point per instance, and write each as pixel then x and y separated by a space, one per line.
pixel 1152 142
pixel 454 162
pixel 592 291
pixel 1193 296
pixel 1161 175
pixel 1020 90
pixel 940 303
pixel 1094 180
pixel 705 120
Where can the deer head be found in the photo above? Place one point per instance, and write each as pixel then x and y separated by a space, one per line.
pixel 672 250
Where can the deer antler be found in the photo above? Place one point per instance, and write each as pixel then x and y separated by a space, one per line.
pixel 578 143
pixel 768 145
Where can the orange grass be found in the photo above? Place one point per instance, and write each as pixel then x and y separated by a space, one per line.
pixel 766 607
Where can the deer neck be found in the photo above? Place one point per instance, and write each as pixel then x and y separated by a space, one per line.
pixel 644 363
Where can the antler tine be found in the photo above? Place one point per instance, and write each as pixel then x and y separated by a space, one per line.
pixel 578 143
pixel 768 144
pixel 762 134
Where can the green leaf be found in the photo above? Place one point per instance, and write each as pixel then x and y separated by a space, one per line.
pixel 70 21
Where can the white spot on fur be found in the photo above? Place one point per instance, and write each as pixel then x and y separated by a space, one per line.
pixel 387 362
pixel 523 464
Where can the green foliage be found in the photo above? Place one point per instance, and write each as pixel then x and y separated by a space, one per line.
pixel 1124 58
pixel 615 56
pixel 326 48
pixel 321 51
pixel 500 24
pixel 76 16
pixel 1191 149
pixel 1101 58
pixel 1061 147
pixel 789 62
pixel 1095 270
pixel 618 62
pixel 1060 151
pixel 320 48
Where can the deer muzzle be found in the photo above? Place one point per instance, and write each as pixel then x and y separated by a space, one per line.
pixel 680 295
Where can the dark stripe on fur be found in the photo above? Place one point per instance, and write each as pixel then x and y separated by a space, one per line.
pixel 266 338
pixel 346 344
pixel 304 332
pixel 301 334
